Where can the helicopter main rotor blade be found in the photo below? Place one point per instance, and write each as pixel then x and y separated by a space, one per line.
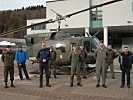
pixel 62 18
pixel 100 5
pixel 26 27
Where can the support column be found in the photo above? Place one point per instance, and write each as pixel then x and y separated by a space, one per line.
pixel 105 36
pixel 86 31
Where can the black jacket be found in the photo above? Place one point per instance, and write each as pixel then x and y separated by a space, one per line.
pixel 43 54
pixel 125 61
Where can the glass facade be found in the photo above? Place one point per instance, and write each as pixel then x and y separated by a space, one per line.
pixel 96 18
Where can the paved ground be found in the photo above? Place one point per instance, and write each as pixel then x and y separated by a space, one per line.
pixel 60 90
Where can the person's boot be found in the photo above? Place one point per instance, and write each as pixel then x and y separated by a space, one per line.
pixel 55 76
pixel 6 85
pixel 40 86
pixel 47 81
pixel 12 85
pixel 71 85
pixel 79 84
pixel 103 85
pixel 41 82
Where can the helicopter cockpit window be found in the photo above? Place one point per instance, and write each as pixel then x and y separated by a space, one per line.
pixel 88 46
pixel 62 49
pixel 96 42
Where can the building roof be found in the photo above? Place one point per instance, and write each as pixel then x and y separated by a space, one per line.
pixel 55 1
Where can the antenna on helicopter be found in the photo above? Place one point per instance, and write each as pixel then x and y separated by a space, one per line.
pixel 88 33
pixel 97 31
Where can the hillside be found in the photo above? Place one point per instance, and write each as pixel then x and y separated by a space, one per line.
pixel 12 19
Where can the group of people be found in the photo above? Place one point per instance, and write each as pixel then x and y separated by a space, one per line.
pixel 8 58
pixel 45 57
pixel 47 61
pixel 104 59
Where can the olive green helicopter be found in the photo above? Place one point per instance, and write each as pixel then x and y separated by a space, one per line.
pixel 62 42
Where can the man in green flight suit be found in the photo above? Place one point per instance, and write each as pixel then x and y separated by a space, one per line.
pixel 75 66
pixel 101 56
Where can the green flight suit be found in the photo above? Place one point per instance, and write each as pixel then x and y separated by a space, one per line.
pixel 100 56
pixel 75 66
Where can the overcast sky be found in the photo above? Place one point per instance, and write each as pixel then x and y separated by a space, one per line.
pixel 14 4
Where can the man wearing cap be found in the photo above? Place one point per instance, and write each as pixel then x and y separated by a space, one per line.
pixel 21 60
pixel 8 58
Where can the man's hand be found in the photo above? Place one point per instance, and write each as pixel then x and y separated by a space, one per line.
pixel 44 60
pixel 20 64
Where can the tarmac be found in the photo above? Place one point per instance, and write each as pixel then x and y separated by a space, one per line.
pixel 60 90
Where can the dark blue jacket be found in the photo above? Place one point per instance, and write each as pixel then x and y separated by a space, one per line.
pixel 125 61
pixel 43 54
pixel 20 56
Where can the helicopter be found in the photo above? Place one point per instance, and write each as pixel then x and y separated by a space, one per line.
pixel 62 42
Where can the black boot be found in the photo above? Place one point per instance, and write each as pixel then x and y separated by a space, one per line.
pixel 55 76
pixel 47 81
pixel 71 85
pixel 41 82
pixel 12 85
pixel 40 86
pixel 6 85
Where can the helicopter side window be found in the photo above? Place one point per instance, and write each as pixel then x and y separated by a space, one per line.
pixel 52 37
pixel 88 46
pixel 72 44
pixel 61 47
pixel 32 40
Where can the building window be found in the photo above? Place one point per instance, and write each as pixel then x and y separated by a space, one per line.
pixel 39 27
pixel 96 14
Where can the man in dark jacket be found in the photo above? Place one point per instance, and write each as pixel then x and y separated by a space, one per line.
pixel 125 61
pixel 8 60
pixel 21 60
pixel 43 57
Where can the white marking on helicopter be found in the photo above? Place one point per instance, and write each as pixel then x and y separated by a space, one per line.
pixel 6 43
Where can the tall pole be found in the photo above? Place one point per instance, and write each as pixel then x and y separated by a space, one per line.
pixel 105 36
